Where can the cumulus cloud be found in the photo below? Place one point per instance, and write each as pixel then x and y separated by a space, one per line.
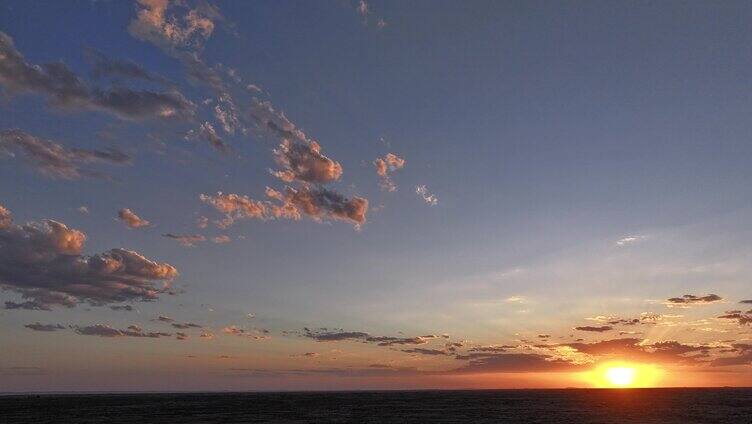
pixel 129 218
pixel 44 263
pixel 44 327
pixel 235 207
pixel 305 162
pixel 317 203
pixel 54 160
pixel 65 89
pixel 385 166
pixel 423 193
pixel 187 240
pixel 102 330
pixel 690 300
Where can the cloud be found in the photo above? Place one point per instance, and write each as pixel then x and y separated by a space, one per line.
pixel 221 239
pixel 427 197
pixel 105 66
pixel 44 327
pixel 304 162
pixel 235 207
pixel 102 330
pixel 54 160
pixel 326 335
pixel 6 218
pixel 598 329
pixel 122 308
pixel 516 362
pixel 163 318
pixel 741 317
pixel 185 239
pixel 316 202
pixel 323 335
pixel 424 351
pixel 225 113
pixel 743 357
pixel 276 123
pixel 181 32
pixel 253 334
pixel 206 131
pixel 64 89
pixel 746 301
pixel 635 349
pixel 629 240
pixel 689 300
pixel 158 22
pixel 202 222
pixel 129 218
pixel 366 13
pixel 186 325
pixel 44 263
pixel 319 203
pixel 83 209
pixel 386 165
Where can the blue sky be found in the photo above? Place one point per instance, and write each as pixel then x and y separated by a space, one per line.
pixel 587 159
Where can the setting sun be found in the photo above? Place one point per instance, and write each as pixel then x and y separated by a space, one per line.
pixel 620 376
pixel 624 375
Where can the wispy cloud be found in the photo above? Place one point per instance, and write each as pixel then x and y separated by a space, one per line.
pixel 423 193
pixel 54 160
pixel 65 89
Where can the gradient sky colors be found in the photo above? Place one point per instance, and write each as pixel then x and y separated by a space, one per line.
pixel 348 195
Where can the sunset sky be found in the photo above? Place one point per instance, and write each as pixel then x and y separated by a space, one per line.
pixel 283 195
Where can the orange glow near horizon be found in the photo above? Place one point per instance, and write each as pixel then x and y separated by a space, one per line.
pixel 624 375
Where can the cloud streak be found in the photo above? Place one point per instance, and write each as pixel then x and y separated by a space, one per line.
pixel 64 89
pixel 54 160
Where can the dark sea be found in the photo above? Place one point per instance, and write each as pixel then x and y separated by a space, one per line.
pixel 577 406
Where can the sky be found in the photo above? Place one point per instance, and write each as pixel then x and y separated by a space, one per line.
pixel 295 195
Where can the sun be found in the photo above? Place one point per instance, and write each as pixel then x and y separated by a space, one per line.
pixel 624 375
pixel 621 376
